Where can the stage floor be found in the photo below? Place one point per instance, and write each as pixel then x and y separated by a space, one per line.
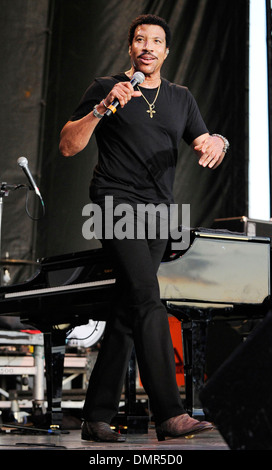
pixel 71 440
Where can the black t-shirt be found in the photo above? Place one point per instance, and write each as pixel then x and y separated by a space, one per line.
pixel 137 154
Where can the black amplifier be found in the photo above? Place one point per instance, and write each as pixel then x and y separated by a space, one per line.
pixel 250 227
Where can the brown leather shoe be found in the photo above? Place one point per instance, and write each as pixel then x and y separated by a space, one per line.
pixel 181 425
pixel 99 431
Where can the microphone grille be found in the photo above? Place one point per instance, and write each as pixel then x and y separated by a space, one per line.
pixel 139 77
pixel 22 161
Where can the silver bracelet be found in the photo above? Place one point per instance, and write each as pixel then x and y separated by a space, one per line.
pixel 226 142
pixel 96 113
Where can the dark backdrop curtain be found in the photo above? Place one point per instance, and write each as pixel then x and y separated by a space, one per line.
pixel 88 38
pixel 24 32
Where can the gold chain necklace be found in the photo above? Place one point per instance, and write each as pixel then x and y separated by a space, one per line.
pixel 151 109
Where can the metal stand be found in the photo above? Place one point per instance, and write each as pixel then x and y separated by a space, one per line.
pixel 13 367
pixel 194 324
pixel 17 337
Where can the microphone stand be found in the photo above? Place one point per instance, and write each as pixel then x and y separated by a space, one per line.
pixel 4 192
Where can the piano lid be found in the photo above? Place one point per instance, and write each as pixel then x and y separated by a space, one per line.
pixel 219 268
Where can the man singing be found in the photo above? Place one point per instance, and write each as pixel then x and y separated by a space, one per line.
pixel 138 146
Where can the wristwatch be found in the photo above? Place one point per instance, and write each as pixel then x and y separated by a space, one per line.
pixel 96 113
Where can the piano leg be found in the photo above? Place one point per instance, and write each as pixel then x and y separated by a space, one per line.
pixel 194 352
pixel 137 421
pixel 54 350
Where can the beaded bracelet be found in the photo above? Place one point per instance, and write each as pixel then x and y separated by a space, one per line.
pixel 226 142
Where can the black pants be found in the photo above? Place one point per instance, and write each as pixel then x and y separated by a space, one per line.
pixel 139 319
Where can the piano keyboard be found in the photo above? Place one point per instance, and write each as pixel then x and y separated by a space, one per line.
pixel 51 290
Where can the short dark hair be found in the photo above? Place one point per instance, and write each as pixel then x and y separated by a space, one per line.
pixel 149 19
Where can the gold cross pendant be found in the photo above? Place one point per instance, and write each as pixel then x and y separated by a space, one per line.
pixel 151 111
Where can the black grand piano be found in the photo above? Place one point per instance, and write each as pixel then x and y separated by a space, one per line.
pixel 221 275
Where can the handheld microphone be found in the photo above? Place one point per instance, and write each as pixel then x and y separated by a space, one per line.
pixel 23 163
pixel 138 77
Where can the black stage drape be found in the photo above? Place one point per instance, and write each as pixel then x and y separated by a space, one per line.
pixel 23 29
pixel 88 38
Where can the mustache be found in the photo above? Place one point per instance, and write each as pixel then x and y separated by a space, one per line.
pixel 148 54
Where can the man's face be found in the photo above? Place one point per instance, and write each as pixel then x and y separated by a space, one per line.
pixel 148 49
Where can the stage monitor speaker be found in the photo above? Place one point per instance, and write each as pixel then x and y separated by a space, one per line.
pixel 238 397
